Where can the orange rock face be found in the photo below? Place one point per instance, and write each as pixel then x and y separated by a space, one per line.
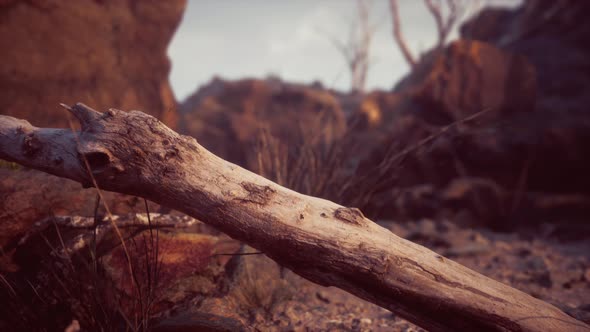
pixel 26 196
pixel 176 273
pixel 226 116
pixel 470 76
pixel 103 53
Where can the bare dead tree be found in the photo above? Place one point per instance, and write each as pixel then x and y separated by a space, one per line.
pixel 444 24
pixel 356 49
pixel 445 18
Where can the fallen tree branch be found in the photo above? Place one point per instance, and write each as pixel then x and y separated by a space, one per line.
pixel 332 245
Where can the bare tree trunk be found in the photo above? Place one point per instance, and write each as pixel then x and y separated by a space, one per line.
pixel 366 34
pixel 356 50
pixel 329 244
pixel 398 35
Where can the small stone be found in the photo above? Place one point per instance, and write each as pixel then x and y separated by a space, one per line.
pixel 366 321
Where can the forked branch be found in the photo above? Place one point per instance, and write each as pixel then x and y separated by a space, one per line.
pixel 445 20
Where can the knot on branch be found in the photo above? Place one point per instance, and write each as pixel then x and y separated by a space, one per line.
pixel 31 144
pixel 350 215
pixel 257 194
pixel 100 162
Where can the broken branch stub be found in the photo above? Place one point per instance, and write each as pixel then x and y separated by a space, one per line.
pixel 133 153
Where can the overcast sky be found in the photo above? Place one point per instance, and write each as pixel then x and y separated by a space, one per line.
pixel 291 39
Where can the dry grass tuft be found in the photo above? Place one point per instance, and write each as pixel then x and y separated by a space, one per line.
pixel 60 286
pixel 10 165
pixel 66 286
pixel 261 290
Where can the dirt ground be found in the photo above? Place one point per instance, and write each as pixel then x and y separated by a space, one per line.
pixel 551 263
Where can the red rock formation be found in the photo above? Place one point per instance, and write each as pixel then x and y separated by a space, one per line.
pixel 468 77
pixel 535 138
pixel 552 35
pixel 171 265
pixel 105 53
pixel 26 196
pixel 226 116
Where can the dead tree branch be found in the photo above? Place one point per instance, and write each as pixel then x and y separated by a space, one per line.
pixel 356 50
pixel 398 36
pixel 443 24
pixel 445 20
pixel 332 245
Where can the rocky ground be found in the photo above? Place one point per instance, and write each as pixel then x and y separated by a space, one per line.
pixel 203 285
pixel 552 264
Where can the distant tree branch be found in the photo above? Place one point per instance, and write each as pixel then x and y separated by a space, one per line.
pixel 444 25
pixel 398 35
pixel 445 21
pixel 356 50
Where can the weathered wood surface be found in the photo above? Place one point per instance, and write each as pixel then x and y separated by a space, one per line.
pixel 332 245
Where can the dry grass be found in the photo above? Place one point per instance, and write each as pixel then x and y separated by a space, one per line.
pixel 259 288
pixel 327 168
pixel 66 286
pixel 309 163
pixel 62 287
pixel 77 287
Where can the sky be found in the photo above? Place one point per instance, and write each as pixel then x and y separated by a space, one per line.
pixel 235 39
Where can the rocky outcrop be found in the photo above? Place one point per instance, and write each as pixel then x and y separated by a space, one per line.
pixel 105 53
pixel 528 66
pixel 465 78
pixel 227 116
pixel 468 77
pixel 27 196
pixel 517 154
pixel 552 35
pixel 184 267
pixel 77 263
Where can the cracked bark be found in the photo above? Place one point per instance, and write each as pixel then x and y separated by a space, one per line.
pixel 133 153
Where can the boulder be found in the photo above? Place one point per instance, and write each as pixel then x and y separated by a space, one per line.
pixel 104 53
pixel 227 116
pixel 552 35
pixel 79 266
pixel 445 87
pixel 469 77
pixel 528 64
pixel 548 155
pixel 27 196
pixel 185 267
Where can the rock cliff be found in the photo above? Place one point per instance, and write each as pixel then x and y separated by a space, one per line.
pixel 105 53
